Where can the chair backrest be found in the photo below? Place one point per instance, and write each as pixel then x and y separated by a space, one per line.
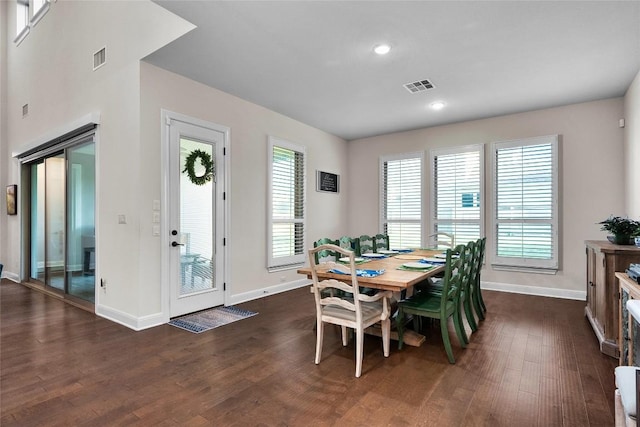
pixel 442 240
pixel 325 254
pixel 366 244
pixel 455 276
pixel 471 264
pixel 381 241
pixel 481 244
pixel 350 243
pixel 349 298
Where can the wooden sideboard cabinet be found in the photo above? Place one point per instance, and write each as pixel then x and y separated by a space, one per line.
pixel 604 259
pixel 629 331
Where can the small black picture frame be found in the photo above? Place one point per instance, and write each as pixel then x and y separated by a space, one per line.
pixel 327 182
pixel 12 199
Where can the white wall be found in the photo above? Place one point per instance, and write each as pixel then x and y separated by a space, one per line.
pixel 250 127
pixel 51 70
pixel 4 241
pixel 632 147
pixel 592 179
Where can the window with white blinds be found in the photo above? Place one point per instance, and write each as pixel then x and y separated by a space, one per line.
pixel 286 210
pixel 401 199
pixel 526 203
pixel 457 176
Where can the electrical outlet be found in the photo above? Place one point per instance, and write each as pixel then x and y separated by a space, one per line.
pixel 122 219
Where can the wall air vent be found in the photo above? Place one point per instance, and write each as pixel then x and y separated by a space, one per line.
pixel 419 86
pixel 99 58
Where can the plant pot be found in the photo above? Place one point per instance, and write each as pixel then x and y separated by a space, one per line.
pixel 620 239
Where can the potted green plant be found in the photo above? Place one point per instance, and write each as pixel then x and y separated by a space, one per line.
pixel 622 229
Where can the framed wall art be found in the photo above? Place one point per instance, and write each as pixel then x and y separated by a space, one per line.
pixel 12 199
pixel 327 182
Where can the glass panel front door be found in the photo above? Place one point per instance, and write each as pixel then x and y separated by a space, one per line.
pixel 197 261
pixel 196 216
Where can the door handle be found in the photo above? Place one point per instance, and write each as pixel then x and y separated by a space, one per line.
pixel 174 244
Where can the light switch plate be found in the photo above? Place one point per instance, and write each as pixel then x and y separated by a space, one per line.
pixel 122 219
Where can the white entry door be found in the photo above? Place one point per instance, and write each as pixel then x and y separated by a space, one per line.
pixel 196 214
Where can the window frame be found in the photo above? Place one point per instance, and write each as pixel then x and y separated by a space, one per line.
pixel 545 266
pixel 383 221
pixel 293 261
pixel 22 33
pixel 40 12
pixel 438 152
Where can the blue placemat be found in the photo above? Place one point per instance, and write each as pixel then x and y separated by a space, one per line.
pixel 360 273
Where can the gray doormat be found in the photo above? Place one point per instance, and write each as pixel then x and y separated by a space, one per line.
pixel 209 319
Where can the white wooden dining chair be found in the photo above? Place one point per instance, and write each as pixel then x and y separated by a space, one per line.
pixel 442 240
pixel 342 304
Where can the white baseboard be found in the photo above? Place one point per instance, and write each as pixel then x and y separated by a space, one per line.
pixel 11 276
pixel 264 292
pixel 535 290
pixel 131 322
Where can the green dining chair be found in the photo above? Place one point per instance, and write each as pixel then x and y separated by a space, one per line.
pixel 350 243
pixel 467 295
pixel 381 241
pixel 478 302
pixel 440 307
pixel 325 254
pixel 366 244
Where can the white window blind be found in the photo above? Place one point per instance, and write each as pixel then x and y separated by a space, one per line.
pixel 287 176
pixel 457 176
pixel 526 203
pixel 401 200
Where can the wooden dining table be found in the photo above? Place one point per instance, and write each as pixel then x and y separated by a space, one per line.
pixel 393 279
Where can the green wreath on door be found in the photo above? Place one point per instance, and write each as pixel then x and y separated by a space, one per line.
pixel 205 161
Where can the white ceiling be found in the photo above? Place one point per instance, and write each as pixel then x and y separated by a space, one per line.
pixel 313 60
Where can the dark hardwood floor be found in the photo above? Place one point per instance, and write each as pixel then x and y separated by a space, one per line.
pixel 535 361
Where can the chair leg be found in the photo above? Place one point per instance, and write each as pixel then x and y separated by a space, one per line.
pixel 319 336
pixel 469 313
pixel 386 336
pixel 477 304
pixel 400 327
pixel 445 339
pixel 460 332
pixel 345 336
pixel 480 299
pixel 359 351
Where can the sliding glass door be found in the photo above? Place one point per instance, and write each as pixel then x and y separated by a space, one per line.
pixel 62 219
pixel 80 265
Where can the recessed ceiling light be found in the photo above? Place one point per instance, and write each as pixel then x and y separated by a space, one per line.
pixel 382 49
pixel 438 105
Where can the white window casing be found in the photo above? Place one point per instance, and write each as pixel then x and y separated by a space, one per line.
pixel 457 192
pixel 525 231
pixel 401 199
pixel 286 210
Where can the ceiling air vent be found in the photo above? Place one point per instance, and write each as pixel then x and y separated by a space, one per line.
pixel 99 58
pixel 419 86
